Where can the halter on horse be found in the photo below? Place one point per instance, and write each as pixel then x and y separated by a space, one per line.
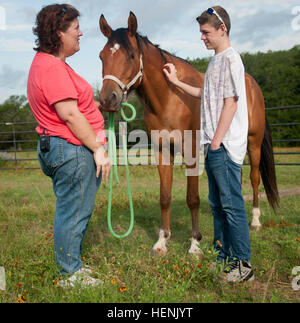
pixel 126 88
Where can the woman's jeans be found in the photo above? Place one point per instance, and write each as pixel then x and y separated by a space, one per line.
pixel 231 232
pixel 73 173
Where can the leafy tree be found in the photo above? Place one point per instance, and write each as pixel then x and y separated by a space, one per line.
pixel 16 124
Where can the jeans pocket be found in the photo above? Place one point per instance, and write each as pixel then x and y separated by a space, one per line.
pixel 215 154
pixel 43 165
pixel 216 150
pixel 53 158
pixel 216 158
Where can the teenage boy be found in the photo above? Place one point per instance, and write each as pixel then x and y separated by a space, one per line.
pixel 224 131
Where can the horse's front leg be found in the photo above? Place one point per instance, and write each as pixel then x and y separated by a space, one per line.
pixel 192 159
pixel 193 203
pixel 166 178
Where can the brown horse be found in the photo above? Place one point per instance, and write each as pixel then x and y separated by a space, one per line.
pixel 131 62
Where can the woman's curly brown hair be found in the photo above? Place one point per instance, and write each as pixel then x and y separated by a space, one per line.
pixel 50 20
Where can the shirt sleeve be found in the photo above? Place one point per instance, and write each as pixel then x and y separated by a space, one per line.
pixel 231 83
pixel 57 84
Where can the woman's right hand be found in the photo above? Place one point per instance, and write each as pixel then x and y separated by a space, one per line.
pixel 171 73
pixel 102 162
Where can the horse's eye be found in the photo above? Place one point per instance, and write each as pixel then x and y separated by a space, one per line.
pixel 132 56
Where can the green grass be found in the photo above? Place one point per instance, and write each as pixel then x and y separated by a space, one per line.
pixel 129 272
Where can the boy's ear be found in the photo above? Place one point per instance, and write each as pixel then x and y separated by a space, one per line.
pixel 223 27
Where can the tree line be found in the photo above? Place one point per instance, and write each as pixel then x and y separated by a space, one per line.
pixel 276 72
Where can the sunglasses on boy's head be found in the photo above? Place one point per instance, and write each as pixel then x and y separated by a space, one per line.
pixel 212 11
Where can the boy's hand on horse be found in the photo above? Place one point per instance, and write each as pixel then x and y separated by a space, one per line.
pixel 171 73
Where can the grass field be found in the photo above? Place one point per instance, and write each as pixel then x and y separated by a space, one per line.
pixel 128 270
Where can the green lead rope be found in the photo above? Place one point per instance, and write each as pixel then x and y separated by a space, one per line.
pixel 112 151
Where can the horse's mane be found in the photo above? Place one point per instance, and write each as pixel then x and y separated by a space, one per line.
pixel 121 37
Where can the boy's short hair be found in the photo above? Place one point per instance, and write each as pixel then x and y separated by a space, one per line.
pixel 205 18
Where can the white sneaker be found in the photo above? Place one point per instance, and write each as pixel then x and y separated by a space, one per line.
pixel 80 277
pixel 240 271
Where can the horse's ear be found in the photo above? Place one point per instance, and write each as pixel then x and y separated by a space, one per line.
pixel 132 24
pixel 105 27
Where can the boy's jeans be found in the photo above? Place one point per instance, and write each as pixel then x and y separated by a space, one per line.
pixel 73 173
pixel 231 232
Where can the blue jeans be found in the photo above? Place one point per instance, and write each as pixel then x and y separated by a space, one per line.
pixel 231 232
pixel 73 173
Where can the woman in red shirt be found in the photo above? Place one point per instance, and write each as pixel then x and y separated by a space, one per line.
pixel 70 149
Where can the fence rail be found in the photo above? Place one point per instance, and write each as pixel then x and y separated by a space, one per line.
pixel 6 157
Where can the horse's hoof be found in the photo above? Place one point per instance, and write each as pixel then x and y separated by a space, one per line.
pixel 196 253
pixel 255 227
pixel 195 250
pixel 196 257
pixel 158 252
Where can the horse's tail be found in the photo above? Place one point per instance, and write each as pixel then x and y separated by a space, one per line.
pixel 267 169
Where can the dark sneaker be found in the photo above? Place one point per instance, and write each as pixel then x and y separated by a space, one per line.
pixel 240 271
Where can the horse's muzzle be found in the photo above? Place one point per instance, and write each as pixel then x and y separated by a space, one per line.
pixel 111 102
pixel 105 109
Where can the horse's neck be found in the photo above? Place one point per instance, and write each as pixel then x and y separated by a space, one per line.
pixel 155 92
pixel 154 87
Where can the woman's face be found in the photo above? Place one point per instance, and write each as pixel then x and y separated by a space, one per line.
pixel 70 39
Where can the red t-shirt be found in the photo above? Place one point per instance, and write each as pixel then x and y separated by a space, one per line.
pixel 51 80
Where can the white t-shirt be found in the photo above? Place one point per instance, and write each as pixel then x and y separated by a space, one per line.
pixel 225 78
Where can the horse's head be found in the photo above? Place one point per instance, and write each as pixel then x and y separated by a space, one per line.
pixel 121 63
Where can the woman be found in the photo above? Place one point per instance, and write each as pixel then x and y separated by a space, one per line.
pixel 70 149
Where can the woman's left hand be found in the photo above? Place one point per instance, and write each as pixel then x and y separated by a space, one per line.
pixel 102 162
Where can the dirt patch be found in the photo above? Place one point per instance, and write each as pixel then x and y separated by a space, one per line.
pixel 288 192
pixel 281 224
pixel 266 290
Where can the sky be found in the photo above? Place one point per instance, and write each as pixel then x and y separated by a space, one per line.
pixel 256 25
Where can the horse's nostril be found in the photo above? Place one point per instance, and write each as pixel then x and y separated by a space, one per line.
pixel 111 100
pixel 114 97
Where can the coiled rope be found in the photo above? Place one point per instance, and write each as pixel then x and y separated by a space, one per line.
pixel 112 151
